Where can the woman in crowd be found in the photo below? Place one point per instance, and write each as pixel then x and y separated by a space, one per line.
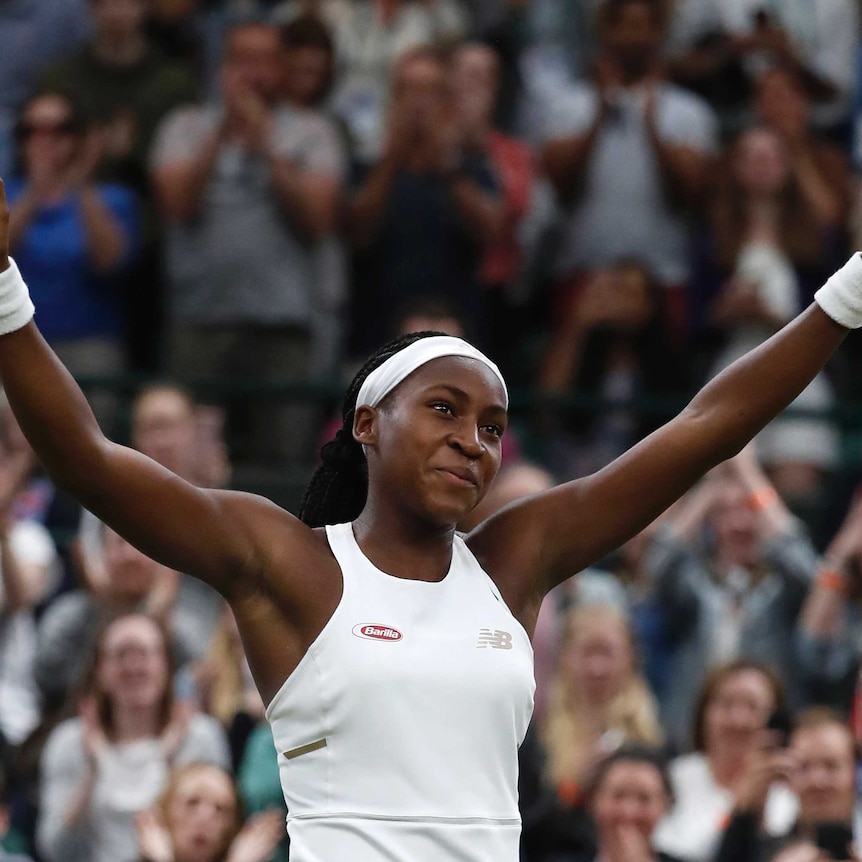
pixel 819 765
pixel 598 700
pixel 768 234
pixel 735 705
pixel 405 648
pixel 198 819
pixel 629 795
pixel 70 235
pixel 113 759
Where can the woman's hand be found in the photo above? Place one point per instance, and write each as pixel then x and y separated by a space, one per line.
pixel 154 841
pixel 259 838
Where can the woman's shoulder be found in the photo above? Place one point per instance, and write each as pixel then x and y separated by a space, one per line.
pixel 66 740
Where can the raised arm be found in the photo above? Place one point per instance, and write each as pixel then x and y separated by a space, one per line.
pixel 561 531
pixel 205 533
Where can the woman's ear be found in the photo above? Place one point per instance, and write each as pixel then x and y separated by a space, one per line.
pixel 365 425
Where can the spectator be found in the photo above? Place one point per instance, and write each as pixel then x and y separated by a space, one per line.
pixel 309 68
pixel 100 768
pixel 70 626
pixel 821 169
pixel 628 155
pixel 820 767
pixel 126 86
pixel 247 190
pixel 598 699
pixel 426 213
pixel 831 620
pixel 198 820
pixel 35 34
pixel 474 79
pixel 610 339
pixel 738 596
pixel 72 237
pixel 718 48
pixel 734 706
pixel 371 36
pixel 629 795
pixel 27 563
pixel 768 230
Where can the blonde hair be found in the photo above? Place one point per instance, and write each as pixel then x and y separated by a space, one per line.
pixel 226 696
pixel 568 734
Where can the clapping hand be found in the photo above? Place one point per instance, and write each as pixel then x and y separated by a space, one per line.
pixel 259 838
pixel 154 841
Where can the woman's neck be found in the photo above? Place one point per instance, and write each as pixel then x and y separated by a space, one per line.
pixel 404 547
pixel 727 767
pixel 764 221
pixel 134 723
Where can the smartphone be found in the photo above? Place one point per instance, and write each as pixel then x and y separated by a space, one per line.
pixel 780 724
pixel 834 839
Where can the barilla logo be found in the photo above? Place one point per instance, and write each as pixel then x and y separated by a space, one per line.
pixel 377 632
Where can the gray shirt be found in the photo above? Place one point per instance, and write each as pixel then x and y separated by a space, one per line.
pixel 240 260
pixel 696 608
pixel 130 778
pixel 623 211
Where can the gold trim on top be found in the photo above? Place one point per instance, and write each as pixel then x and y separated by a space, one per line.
pixel 305 749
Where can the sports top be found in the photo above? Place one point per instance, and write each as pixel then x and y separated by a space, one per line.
pixel 397 733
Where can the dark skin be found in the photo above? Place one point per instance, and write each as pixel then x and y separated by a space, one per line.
pixel 433 449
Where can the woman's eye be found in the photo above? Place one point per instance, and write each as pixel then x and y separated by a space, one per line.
pixel 442 407
pixel 496 430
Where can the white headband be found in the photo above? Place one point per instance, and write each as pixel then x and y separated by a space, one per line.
pixel 387 376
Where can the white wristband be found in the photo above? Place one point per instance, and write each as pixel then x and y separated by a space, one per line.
pixel 841 296
pixel 16 309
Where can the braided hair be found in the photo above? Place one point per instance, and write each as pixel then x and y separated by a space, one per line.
pixel 338 489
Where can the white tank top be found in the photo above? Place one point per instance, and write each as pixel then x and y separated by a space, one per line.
pixel 397 733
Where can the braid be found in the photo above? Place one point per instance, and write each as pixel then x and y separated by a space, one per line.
pixel 338 489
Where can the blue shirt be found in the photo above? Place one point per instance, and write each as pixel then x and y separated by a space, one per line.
pixel 72 300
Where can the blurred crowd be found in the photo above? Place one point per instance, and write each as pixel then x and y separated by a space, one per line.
pixel 615 199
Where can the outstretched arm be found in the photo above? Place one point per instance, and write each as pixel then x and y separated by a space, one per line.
pixel 555 534
pixel 211 535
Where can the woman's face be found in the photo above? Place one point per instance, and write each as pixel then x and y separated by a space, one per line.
pixel 735 525
pixel 598 659
pixel 49 140
pixel 824 774
pixel 434 443
pixel 760 163
pixel 631 795
pixel 201 815
pixel 739 708
pixel 307 72
pixel 133 666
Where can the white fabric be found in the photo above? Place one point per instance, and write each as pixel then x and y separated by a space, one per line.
pixel 422 730
pixel 16 308
pixel 387 376
pixel 692 829
pixel 841 296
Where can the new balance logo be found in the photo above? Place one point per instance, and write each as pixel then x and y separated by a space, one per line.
pixel 494 639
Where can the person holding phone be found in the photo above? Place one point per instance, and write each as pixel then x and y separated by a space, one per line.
pixel 819 765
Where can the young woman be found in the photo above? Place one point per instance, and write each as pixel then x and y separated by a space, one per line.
pixel 598 701
pixel 198 819
pixel 394 655
pixel 99 769
pixel 629 795
pixel 730 720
